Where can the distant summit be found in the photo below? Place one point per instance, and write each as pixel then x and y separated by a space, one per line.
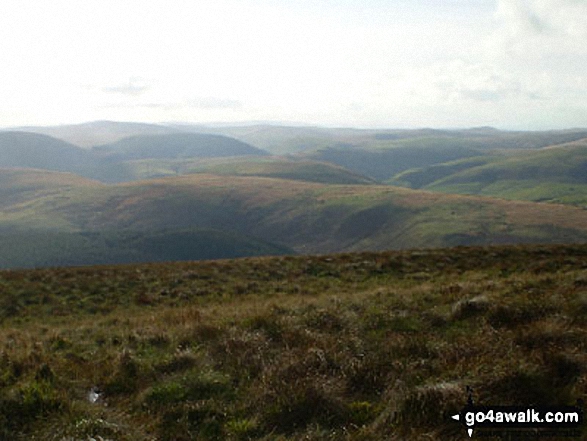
pixel 32 150
pixel 94 133
pixel 177 146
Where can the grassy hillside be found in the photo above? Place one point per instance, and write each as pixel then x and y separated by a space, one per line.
pixel 279 139
pixel 175 146
pixel 283 139
pixel 366 346
pixel 94 133
pixel 306 217
pixel 42 248
pixel 164 151
pixel 22 149
pixel 108 163
pixel 266 166
pixel 557 174
pixel 388 159
pixel 19 186
pixel 420 177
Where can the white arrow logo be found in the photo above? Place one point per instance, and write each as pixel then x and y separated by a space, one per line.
pixel 457 417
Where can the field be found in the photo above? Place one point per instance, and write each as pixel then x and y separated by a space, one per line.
pixel 364 346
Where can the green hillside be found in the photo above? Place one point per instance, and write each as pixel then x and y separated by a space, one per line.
pixel 42 248
pixel 420 177
pixel 164 151
pixel 386 160
pixel 557 174
pixel 110 163
pixel 306 217
pixel 281 140
pixel 23 185
pixel 367 346
pixel 93 133
pixel 265 166
pixel 22 149
pixel 175 146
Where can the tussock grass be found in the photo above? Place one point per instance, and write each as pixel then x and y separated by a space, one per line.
pixel 365 346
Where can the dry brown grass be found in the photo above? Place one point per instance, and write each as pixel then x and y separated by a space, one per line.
pixel 368 346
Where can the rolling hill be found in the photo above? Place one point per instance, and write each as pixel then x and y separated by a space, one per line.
pixel 109 163
pixel 279 139
pixel 31 150
pixel 263 166
pixel 384 162
pixel 20 186
pixel 300 216
pixel 93 133
pixel 23 149
pixel 375 154
pixel 175 146
pixel 556 174
pixel 24 248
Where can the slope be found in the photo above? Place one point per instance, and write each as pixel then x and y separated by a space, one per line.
pixel 306 217
pixel 18 185
pixel 369 346
pixel 266 166
pixel 391 158
pixel 175 146
pixel 22 149
pixel 40 238
pixel 557 174
pixel 51 248
pixel 94 133
pixel 279 139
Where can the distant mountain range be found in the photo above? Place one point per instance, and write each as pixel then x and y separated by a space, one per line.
pixel 108 162
pixel 175 146
pixel 153 192
pixel 89 134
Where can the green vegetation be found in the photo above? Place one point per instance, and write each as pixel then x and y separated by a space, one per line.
pixel 94 133
pixel 282 140
pixel 288 140
pixel 282 214
pixel 41 248
pixel 266 166
pixel 175 145
pixel 22 149
pixel 556 174
pixel 144 151
pixel 385 159
pixel 424 176
pixel 107 163
pixel 365 346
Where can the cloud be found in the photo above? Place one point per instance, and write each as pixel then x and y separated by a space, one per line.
pixel 518 18
pixel 134 87
pixel 541 26
pixel 463 81
pixel 198 103
pixel 213 103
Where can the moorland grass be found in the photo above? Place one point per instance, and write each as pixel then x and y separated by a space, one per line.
pixel 364 346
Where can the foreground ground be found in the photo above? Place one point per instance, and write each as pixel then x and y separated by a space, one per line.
pixel 365 346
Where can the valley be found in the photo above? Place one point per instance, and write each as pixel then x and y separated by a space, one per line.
pixel 355 190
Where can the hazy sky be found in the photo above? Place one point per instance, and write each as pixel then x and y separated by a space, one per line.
pixel 365 63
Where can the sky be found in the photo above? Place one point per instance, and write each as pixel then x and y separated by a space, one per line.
pixel 511 64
